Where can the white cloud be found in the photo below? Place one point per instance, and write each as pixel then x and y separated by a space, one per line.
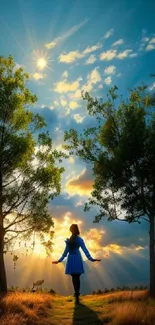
pixel 108 80
pixel 145 39
pixel 73 104
pixel 94 76
pixel 110 70
pixel 93 48
pixel 74 55
pixel 100 86
pixel 91 59
pixel 151 44
pixel 66 35
pixel 119 42
pixel 150 47
pixel 124 54
pixel 70 57
pixel 38 76
pixel 76 95
pixel 65 74
pixel 87 87
pixel 152 40
pixel 133 55
pixel 109 33
pixel 64 87
pixel 108 55
pixel 119 75
pixel 78 118
pixel 152 87
pixel 63 102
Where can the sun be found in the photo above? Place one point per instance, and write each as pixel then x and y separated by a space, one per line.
pixel 41 60
pixel 41 63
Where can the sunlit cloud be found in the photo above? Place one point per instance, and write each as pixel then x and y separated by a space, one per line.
pixel 109 33
pixel 81 184
pixel 66 35
pixel 74 55
pixel 64 86
pixel 91 49
pixel 70 57
pixel 73 105
pixel 111 54
pixel 91 59
pixel 78 118
pixel 65 74
pixel 151 44
pixel 63 102
pixel 108 55
pixel 110 69
pixel 38 76
pixel 124 54
pixel 133 55
pixel 152 87
pixel 139 248
pixel 93 78
pixel 119 42
pixel 76 95
pixel 108 80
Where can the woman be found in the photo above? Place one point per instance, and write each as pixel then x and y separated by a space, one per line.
pixel 74 265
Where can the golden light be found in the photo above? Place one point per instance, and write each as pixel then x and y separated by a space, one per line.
pixel 41 63
pixel 42 60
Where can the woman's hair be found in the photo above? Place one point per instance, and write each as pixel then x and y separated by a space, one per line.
pixel 74 229
pixel 75 232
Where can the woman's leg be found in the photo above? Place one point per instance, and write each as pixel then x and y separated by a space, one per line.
pixel 76 285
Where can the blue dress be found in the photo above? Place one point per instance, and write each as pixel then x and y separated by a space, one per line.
pixel 74 263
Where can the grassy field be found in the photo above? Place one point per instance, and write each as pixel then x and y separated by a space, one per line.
pixel 119 308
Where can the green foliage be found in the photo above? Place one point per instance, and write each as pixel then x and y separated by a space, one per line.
pixel 121 150
pixel 29 173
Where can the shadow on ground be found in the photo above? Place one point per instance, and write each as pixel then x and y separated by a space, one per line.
pixel 84 315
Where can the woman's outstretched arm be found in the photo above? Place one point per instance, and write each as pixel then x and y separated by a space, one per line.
pixel 84 248
pixel 63 255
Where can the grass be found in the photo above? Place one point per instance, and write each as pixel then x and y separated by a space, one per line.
pixel 118 308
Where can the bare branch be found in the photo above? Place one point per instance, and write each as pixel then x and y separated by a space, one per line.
pixel 16 222
pixel 20 231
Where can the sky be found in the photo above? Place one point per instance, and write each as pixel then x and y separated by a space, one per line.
pixel 68 46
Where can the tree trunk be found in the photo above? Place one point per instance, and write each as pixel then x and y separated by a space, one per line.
pixel 152 258
pixel 3 282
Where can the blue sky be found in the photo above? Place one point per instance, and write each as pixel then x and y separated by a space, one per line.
pixel 86 45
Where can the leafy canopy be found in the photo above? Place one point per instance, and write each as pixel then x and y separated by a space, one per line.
pixel 121 149
pixel 30 175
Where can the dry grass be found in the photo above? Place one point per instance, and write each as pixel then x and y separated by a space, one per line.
pixel 24 308
pixel 133 313
pixel 117 308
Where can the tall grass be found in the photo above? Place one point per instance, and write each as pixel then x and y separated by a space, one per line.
pixel 117 308
pixel 24 308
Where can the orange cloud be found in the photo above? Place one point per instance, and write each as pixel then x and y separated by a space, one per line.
pixel 81 184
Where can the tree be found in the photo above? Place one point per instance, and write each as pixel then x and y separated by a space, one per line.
pixel 29 176
pixel 121 149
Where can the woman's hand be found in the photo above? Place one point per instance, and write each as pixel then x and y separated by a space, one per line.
pixel 96 260
pixel 55 262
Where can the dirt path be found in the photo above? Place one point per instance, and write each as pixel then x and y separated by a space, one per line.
pixel 89 312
